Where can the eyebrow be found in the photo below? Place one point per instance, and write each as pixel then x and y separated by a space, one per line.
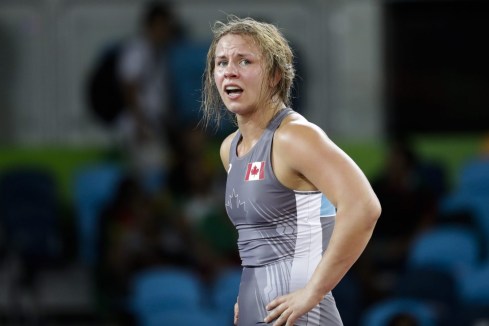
pixel 240 55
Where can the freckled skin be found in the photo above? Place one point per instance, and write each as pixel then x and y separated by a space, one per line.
pixel 239 62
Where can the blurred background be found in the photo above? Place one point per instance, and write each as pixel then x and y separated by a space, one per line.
pixel 111 195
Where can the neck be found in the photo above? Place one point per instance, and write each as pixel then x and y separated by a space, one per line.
pixel 252 126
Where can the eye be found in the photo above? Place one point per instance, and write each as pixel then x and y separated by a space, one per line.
pixel 221 63
pixel 244 62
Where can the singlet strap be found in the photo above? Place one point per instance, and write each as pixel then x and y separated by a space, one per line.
pixel 268 132
pixel 279 117
pixel 234 144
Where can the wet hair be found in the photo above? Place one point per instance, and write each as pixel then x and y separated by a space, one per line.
pixel 277 54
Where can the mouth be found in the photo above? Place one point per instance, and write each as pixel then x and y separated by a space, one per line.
pixel 233 91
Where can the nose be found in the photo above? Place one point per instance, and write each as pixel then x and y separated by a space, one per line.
pixel 230 71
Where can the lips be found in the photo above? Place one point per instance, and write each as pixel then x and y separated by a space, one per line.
pixel 233 91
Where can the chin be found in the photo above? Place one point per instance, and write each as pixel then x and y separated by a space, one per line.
pixel 240 108
pixel 236 108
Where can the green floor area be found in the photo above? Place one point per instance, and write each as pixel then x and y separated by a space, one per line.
pixel 63 162
pixel 450 150
pixel 453 151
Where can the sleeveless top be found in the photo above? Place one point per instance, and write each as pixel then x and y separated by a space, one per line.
pixel 274 223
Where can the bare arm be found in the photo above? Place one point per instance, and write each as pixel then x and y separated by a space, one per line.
pixel 224 153
pixel 224 150
pixel 307 154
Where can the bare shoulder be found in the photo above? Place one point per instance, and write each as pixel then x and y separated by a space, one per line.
pixel 303 146
pixel 296 133
pixel 225 148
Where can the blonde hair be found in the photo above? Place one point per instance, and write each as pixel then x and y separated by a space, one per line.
pixel 277 54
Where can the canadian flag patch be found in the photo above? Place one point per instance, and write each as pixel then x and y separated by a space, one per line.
pixel 255 171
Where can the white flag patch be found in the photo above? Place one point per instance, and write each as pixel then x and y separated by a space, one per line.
pixel 255 171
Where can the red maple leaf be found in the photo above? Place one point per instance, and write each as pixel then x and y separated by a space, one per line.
pixel 255 170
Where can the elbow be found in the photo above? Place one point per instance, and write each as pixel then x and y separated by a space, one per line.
pixel 374 209
pixel 366 212
pixel 371 211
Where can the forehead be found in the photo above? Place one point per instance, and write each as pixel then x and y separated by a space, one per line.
pixel 239 43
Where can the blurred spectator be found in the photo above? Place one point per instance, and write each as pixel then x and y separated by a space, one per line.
pixel 130 91
pixel 409 204
pixel 195 181
pixel 146 119
pixel 139 232
pixel 183 224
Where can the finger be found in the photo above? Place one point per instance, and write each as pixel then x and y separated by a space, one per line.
pixel 275 313
pixel 236 313
pixel 283 318
pixel 274 303
pixel 291 320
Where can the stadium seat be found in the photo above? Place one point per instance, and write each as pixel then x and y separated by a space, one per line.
pixel 29 215
pixel 164 289
pixel 477 205
pixel 452 248
pixel 474 177
pixel 438 288
pixel 187 318
pixel 475 286
pixel 187 65
pixel 94 187
pixel 225 292
pixel 381 314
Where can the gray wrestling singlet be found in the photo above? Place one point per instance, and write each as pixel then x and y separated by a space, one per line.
pixel 282 233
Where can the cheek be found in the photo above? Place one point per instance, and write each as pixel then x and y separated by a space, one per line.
pixel 218 78
pixel 258 81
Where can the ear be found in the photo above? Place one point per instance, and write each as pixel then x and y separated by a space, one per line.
pixel 275 79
